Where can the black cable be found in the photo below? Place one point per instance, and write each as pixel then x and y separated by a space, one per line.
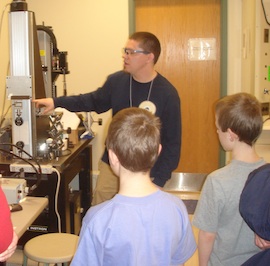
pixel 32 158
pixel 19 157
pixel 24 151
pixel 27 161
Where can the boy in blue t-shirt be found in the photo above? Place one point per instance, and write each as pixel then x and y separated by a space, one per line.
pixel 141 225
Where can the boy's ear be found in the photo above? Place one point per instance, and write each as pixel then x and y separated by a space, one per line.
pixel 232 135
pixel 112 157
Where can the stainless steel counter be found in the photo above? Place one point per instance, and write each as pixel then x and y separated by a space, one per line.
pixel 186 186
pixel 185 182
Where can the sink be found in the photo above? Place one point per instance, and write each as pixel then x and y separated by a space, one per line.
pixel 185 182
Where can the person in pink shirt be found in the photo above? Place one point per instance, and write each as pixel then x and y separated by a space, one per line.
pixel 8 238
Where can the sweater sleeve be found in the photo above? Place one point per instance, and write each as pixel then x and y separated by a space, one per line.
pixel 6 228
pixel 98 101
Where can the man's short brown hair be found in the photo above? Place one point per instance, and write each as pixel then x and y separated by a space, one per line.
pixel 148 42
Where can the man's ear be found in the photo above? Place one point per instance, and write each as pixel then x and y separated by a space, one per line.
pixel 159 149
pixel 151 57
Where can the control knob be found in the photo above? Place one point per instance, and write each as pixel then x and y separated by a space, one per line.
pixel 18 121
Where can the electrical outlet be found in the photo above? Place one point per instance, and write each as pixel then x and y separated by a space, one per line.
pixel 265 108
pixel 27 168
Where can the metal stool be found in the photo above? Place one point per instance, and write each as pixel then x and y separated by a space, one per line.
pixel 49 248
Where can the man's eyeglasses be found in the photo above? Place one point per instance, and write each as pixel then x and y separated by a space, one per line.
pixel 129 51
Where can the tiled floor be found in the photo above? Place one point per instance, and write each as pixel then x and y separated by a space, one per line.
pixel 17 259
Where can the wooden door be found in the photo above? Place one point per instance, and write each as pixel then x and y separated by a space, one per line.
pixel 175 22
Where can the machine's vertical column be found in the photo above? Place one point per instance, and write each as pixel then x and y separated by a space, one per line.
pixel 25 82
pixel 20 82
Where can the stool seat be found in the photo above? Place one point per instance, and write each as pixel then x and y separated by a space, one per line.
pixel 51 248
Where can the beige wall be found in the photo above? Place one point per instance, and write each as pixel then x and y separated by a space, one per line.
pixel 93 33
pixel 234 46
pixel 234 50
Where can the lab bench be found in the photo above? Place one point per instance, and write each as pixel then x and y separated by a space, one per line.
pixel 71 205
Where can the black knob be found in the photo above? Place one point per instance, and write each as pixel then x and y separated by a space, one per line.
pixel 18 121
pixel 20 144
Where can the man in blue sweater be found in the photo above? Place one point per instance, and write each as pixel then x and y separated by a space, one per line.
pixel 137 85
